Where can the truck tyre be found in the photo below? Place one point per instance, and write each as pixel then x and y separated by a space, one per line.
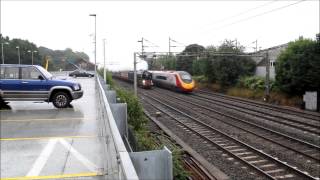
pixel 61 100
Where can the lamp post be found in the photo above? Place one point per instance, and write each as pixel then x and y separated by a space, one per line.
pixel 30 51
pixel 95 43
pixel 18 48
pixel 2 55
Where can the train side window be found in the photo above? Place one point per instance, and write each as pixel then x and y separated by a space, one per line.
pixel 161 77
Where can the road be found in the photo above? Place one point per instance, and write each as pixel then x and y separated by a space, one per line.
pixel 39 141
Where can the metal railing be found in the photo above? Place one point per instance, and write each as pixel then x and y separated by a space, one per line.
pixel 126 169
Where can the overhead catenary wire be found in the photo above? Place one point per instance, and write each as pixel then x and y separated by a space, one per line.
pixel 243 12
pixel 257 15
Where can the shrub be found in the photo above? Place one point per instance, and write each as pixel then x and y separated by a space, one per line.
pixel 298 67
pixel 255 83
pixel 136 117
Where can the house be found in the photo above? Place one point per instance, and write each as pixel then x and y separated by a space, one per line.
pixel 261 62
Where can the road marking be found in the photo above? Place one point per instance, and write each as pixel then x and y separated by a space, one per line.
pixel 28 120
pixel 92 167
pixel 42 159
pixel 43 138
pixel 59 176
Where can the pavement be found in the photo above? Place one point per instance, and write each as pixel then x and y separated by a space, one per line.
pixel 39 141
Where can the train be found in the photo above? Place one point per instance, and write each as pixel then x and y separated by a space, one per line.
pixel 144 78
pixel 175 80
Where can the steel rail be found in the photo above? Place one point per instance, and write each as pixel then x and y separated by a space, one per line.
pixel 238 119
pixel 270 119
pixel 211 99
pixel 233 139
pixel 307 115
pixel 260 127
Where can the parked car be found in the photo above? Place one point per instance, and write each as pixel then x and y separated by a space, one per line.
pixel 34 83
pixel 81 73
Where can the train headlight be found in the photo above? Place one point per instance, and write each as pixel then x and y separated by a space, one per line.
pixel 143 82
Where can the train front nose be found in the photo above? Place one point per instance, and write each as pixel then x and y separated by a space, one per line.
pixel 189 86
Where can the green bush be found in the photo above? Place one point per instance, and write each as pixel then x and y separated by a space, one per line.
pixel 298 67
pixel 136 117
pixel 200 79
pixel 254 83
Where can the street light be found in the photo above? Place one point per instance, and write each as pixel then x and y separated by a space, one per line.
pixel 95 43
pixel 30 51
pixel 2 51
pixel 18 48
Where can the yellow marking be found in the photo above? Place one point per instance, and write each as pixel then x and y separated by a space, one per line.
pixel 65 109
pixel 41 138
pixel 27 120
pixel 59 176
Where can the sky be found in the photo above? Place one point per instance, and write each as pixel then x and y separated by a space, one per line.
pixel 66 24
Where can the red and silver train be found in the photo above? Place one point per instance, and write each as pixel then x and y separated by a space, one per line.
pixel 176 80
pixel 144 78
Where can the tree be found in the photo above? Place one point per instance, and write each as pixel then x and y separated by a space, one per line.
pixel 298 67
pixel 227 69
pixel 188 55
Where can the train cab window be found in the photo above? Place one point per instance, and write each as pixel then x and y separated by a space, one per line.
pixel 147 76
pixel 186 77
pixel 161 77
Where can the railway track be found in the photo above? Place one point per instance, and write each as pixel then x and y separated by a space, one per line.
pixel 309 132
pixel 277 170
pixel 245 156
pixel 264 106
pixel 286 141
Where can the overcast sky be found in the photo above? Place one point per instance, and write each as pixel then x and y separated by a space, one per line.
pixel 67 24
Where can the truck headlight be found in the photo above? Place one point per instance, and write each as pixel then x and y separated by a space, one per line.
pixel 76 87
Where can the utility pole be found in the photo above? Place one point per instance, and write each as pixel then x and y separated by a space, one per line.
pixel 142 47
pixel 104 61
pixel 169 45
pixel 267 93
pixel 135 74
pixel 95 43
pixel 19 54
pixel 256 47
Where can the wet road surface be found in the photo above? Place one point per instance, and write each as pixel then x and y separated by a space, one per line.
pixel 39 141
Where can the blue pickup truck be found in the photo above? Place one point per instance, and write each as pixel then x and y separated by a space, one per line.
pixel 34 83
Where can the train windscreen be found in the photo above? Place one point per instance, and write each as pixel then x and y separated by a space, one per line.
pixel 186 77
pixel 146 75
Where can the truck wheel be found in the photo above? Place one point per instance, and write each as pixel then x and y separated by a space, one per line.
pixel 61 100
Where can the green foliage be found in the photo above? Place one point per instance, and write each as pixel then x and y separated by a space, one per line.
pixel 200 79
pixel 136 117
pixel 227 69
pixel 188 56
pixel 298 67
pixel 11 52
pixel 179 173
pixel 163 62
pixel 57 59
pixel 255 83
